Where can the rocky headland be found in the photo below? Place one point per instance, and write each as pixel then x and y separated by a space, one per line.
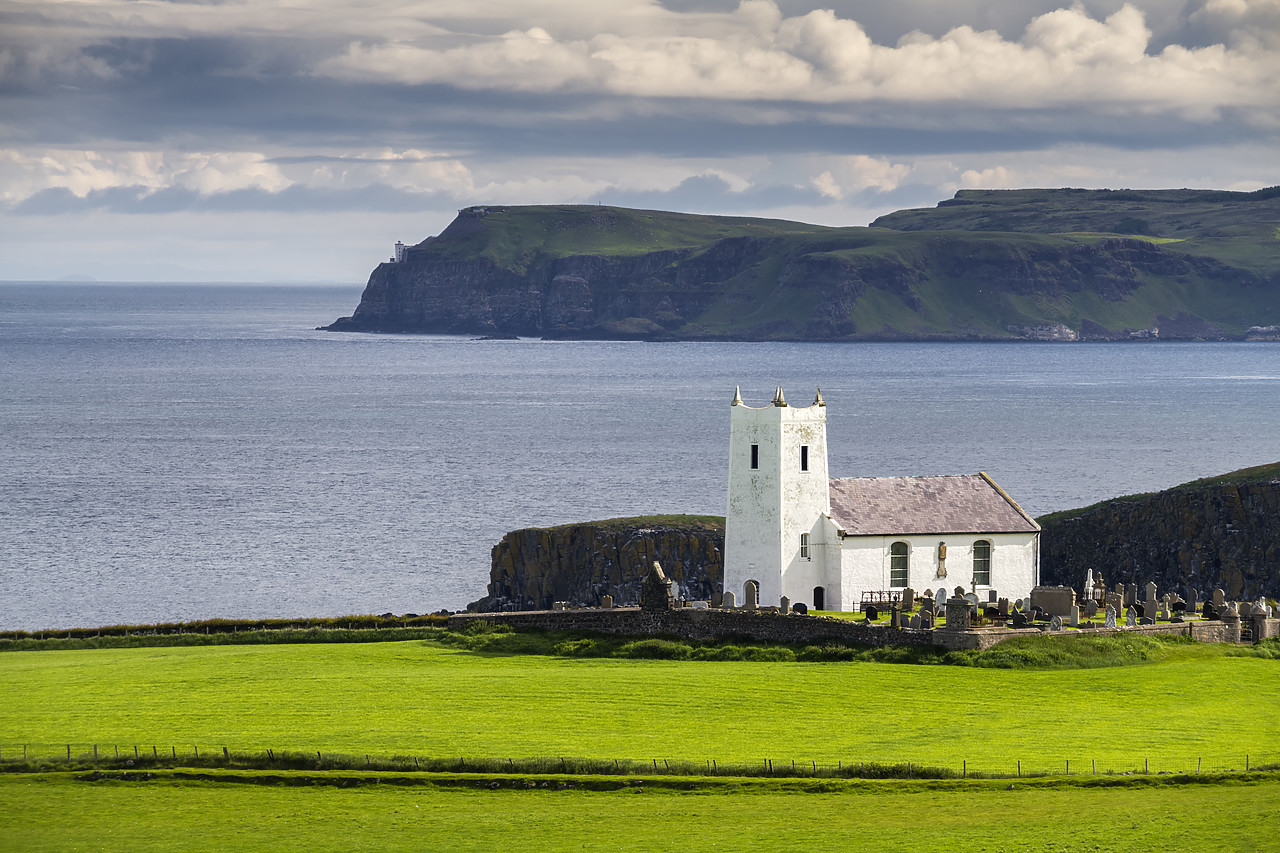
pixel 1052 265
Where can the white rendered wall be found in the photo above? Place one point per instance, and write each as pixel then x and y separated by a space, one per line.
pixel 1015 565
pixel 769 507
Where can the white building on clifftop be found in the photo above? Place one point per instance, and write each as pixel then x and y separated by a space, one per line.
pixel 793 531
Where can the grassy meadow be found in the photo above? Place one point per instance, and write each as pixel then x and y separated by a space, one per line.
pixel 419 698
pixel 55 812
pixel 1187 704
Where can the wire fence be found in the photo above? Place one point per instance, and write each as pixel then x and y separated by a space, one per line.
pixel 73 756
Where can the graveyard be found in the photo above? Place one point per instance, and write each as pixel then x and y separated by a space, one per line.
pixel 950 619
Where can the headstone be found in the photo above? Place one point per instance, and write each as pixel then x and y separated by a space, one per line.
pixel 1019 619
pixel 915 622
pixel 1130 617
pixel 1140 609
pixel 1146 620
pixel 1115 600
pixel 1109 620
pixel 1090 608
pixel 1055 624
pixel 958 613
pixel 927 619
pixel 750 597
pixel 1164 612
pixel 801 608
pixel 1209 612
pixel 655 590
pixel 1192 598
pixel 872 613
pixel 1054 600
pixel 992 596
pixel 700 605
pixel 606 601
pixel 939 600
pixel 972 599
pixel 559 605
pixel 1149 591
pixel 727 601
pixel 1003 606
pixel 1219 599
pixel 895 616
pixel 1075 616
pixel 908 600
pixel 784 605
pixel 1130 594
pixel 958 592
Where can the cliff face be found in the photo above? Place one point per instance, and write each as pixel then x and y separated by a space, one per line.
pixel 579 563
pixel 611 273
pixel 1223 532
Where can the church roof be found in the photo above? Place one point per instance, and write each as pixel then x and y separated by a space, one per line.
pixel 901 506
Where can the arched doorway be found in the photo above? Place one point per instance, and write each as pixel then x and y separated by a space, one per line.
pixel 819 598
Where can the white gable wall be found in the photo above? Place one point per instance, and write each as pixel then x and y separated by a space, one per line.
pixel 864 565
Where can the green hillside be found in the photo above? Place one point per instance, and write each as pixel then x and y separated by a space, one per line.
pixel 986 265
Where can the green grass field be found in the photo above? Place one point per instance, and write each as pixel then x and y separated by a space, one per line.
pixel 54 812
pixel 418 698
pixel 415 698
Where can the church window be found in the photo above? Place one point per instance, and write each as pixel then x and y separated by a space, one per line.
pixel 755 457
pixel 898 564
pixel 804 546
pixel 982 562
pixel 804 457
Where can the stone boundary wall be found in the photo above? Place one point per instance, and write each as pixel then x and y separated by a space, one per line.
pixel 700 625
pixel 687 623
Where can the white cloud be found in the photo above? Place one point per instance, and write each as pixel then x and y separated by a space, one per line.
pixel 1063 57
pixel 858 173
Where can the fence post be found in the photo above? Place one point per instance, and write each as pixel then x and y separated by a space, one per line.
pixel 225 755
pixel 1019 767
pixel 964 769
pixel 1068 766
pixel 175 752
pixel 68 752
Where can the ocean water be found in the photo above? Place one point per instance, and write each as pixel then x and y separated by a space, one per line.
pixel 182 452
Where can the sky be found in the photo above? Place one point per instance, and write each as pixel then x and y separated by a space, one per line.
pixel 297 140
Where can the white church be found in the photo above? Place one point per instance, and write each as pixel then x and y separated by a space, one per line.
pixel 834 544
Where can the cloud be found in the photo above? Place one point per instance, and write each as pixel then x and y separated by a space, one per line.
pixel 858 173
pixel 1064 56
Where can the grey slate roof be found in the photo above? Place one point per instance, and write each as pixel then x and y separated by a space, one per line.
pixel 893 506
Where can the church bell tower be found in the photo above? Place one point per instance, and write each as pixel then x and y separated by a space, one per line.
pixel 778 495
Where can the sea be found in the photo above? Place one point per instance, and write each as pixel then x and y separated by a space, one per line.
pixel 179 452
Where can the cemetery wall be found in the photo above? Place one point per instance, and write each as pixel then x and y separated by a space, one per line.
pixel 686 623
pixel 700 625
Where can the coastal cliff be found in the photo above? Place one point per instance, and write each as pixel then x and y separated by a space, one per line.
pixel 987 265
pixel 579 563
pixel 1220 532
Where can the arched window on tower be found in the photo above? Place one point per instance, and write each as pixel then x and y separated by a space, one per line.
pixel 982 562
pixel 898 564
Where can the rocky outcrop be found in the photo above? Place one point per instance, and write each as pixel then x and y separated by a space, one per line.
pixel 611 273
pixel 1222 532
pixel 580 563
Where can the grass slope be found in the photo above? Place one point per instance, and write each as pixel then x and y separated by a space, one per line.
pixel 419 699
pixel 55 812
